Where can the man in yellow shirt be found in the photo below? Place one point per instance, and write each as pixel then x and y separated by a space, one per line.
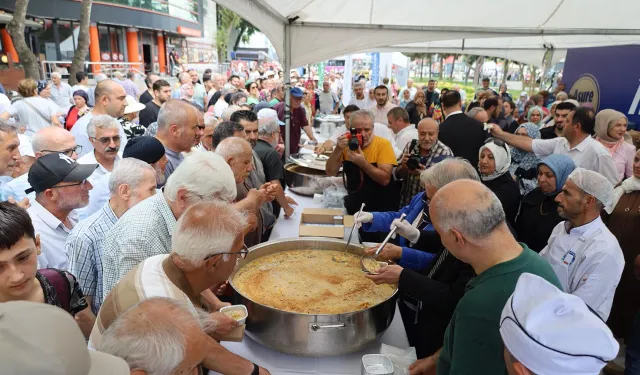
pixel 367 169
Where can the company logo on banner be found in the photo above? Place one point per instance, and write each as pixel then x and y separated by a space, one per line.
pixel 587 90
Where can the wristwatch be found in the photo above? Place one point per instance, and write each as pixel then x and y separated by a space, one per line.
pixel 256 370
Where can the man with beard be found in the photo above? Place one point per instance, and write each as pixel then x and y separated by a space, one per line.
pixel 359 100
pixel 161 93
pixel 582 251
pixel 431 94
pixel 110 100
pixel 61 186
pixel 559 121
pixel 178 130
pixel 382 105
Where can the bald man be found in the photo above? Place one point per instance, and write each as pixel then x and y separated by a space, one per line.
pixel 109 100
pixel 471 223
pixel 45 141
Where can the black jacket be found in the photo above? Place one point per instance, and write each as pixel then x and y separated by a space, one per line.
pixel 538 216
pixel 508 192
pixel 548 133
pixel 464 136
pixel 414 115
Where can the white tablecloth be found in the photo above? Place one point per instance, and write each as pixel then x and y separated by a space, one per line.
pixel 284 364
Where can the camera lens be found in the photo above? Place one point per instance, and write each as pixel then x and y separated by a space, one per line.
pixel 354 144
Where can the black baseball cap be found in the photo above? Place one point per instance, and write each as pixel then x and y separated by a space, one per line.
pixel 52 169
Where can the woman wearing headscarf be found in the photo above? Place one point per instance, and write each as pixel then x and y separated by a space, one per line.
pixel 186 93
pixel 524 164
pixel 81 108
pixel 623 220
pixel 494 162
pixel 535 115
pixel 538 211
pixel 611 128
pixel 417 109
pixel 523 116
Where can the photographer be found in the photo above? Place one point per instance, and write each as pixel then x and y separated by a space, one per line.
pixel 367 162
pixel 417 156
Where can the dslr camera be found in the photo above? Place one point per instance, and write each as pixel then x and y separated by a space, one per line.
pixel 415 159
pixel 355 139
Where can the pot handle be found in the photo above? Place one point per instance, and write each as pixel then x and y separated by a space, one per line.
pixel 317 327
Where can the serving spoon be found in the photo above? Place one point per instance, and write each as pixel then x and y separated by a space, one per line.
pixel 372 259
pixel 349 239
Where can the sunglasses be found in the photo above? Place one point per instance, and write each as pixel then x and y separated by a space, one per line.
pixel 107 140
pixel 68 152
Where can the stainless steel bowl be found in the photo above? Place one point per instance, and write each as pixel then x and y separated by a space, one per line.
pixel 312 335
pixel 302 180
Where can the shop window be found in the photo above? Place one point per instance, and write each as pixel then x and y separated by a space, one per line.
pixel 66 32
pixel 47 41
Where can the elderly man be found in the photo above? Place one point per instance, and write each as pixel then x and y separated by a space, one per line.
pixel 187 271
pixel 472 226
pixel 382 105
pixel 576 142
pixel 147 228
pixel 183 78
pixel 368 168
pixel 60 91
pixel 421 280
pixel 9 151
pixel 404 131
pixel 178 130
pixel 359 99
pixel 546 331
pixel 328 102
pixel 47 140
pixel 161 93
pixel 583 252
pixel 127 83
pixel 479 114
pixel 424 152
pixel 412 89
pixel 131 182
pixel 206 142
pixel 61 186
pixel 103 131
pixel 148 94
pixel 110 100
pixel 298 120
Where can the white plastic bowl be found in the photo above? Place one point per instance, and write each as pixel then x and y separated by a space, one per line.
pixel 241 308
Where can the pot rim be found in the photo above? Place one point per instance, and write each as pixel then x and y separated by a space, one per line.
pixel 284 240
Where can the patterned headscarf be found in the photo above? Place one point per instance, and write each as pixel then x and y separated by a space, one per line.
pixel 42 84
pixel 535 108
pixel 523 159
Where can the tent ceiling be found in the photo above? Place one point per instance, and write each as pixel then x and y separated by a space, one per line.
pixel 321 29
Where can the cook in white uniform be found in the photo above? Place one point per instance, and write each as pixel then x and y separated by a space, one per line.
pixel 584 254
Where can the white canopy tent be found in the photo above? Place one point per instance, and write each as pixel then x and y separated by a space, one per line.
pixel 307 31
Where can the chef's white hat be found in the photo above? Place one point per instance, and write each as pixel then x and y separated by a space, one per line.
pixel 593 183
pixel 551 332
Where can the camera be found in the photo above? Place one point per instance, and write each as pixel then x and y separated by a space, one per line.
pixel 355 139
pixel 415 159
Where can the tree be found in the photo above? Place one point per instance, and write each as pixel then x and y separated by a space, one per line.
pixel 77 64
pixel 469 60
pixel 453 66
pixel 227 21
pixel 246 31
pixel 441 58
pixel 16 30
pixel 505 71
pixel 478 71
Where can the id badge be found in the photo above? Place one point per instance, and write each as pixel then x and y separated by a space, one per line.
pixel 568 258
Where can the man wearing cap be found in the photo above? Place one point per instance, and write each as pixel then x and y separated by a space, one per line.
pixel 546 331
pixel 162 93
pixel 37 338
pixel 178 130
pixel 61 186
pixel 47 140
pixel 298 120
pixel 583 252
pixel 110 100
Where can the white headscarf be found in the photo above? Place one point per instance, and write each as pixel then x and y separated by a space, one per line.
pixel 627 186
pixel 502 158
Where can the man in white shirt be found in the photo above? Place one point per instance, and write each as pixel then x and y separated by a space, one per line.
pixel 404 131
pixel 412 89
pixel 61 92
pixel 83 84
pixel 582 251
pixel 61 186
pixel 328 100
pixel 359 100
pixel 110 100
pixel 45 141
pixel 382 106
pixel 576 142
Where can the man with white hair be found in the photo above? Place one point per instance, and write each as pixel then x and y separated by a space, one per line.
pixel 546 331
pixel 226 115
pixel 206 142
pixel 103 132
pixel 479 114
pixel 471 223
pixel 412 89
pixel 131 182
pixel 183 78
pixel 583 252
pixel 110 100
pixel 205 249
pixel 359 99
pixel 178 130
pixel 60 91
pixel 45 141
pixel 147 228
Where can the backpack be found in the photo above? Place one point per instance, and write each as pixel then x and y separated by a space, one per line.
pixel 60 284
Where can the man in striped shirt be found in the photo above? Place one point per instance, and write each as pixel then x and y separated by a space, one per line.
pixel 131 182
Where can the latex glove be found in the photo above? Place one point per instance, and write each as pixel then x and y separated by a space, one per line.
pixel 362 217
pixel 406 230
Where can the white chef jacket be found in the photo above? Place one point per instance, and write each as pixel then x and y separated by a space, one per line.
pixel 588 262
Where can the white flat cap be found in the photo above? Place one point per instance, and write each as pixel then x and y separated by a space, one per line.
pixel 593 183
pixel 554 333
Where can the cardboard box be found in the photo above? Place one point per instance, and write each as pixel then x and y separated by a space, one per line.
pixel 324 222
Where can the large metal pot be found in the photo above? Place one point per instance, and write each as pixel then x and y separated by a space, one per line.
pixel 312 335
pixel 303 180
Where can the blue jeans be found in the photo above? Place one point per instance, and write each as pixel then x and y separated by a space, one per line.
pixel 632 355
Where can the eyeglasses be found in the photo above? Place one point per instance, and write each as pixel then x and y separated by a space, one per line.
pixel 242 254
pixel 68 152
pixel 107 140
pixel 76 184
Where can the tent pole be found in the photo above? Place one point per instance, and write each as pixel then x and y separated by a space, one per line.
pixel 287 95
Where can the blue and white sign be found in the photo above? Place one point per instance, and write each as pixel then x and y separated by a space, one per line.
pixel 375 69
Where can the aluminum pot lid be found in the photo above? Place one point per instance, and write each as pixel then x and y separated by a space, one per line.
pixel 312 161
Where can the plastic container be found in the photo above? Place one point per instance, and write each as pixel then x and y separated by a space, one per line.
pixel 236 309
pixel 376 364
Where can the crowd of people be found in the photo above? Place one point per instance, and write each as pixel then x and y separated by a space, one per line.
pixel 129 209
